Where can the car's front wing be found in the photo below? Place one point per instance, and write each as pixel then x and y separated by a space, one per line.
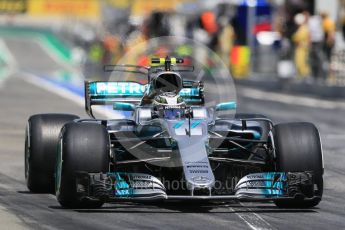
pixel 119 186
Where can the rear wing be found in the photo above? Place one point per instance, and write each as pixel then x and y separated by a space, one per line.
pixel 106 93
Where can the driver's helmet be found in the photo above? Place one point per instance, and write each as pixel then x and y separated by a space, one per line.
pixel 169 105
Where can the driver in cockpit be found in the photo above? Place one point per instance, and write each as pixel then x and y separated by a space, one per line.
pixel 169 106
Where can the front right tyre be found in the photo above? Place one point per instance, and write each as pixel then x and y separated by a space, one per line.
pixel 298 149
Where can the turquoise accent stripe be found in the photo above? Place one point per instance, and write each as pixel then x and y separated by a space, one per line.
pixel 122 106
pixel 178 124
pixel 192 126
pixel 226 106
pixel 189 92
pixel 257 135
pixel 195 124
pixel 276 187
pixel 122 188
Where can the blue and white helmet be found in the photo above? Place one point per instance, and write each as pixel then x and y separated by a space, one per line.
pixel 169 105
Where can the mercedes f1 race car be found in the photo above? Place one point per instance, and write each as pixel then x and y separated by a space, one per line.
pixel 171 147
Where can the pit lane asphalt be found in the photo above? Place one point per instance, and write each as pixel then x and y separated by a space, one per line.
pixel 19 100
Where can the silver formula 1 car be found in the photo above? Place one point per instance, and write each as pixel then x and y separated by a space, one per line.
pixel 172 147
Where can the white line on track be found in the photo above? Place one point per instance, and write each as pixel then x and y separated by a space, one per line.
pixel 252 219
pixel 291 99
pixel 65 93
pixel 11 61
pixel 44 44
pixel 11 64
pixel 51 87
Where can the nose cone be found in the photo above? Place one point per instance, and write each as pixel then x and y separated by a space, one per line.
pixel 201 182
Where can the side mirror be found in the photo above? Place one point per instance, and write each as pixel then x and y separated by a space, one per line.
pixel 231 105
pixel 122 106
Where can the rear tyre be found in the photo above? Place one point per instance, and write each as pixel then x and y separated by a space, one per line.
pixel 298 149
pixel 41 140
pixel 82 147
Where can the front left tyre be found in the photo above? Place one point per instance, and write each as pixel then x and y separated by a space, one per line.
pixel 41 140
pixel 83 147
